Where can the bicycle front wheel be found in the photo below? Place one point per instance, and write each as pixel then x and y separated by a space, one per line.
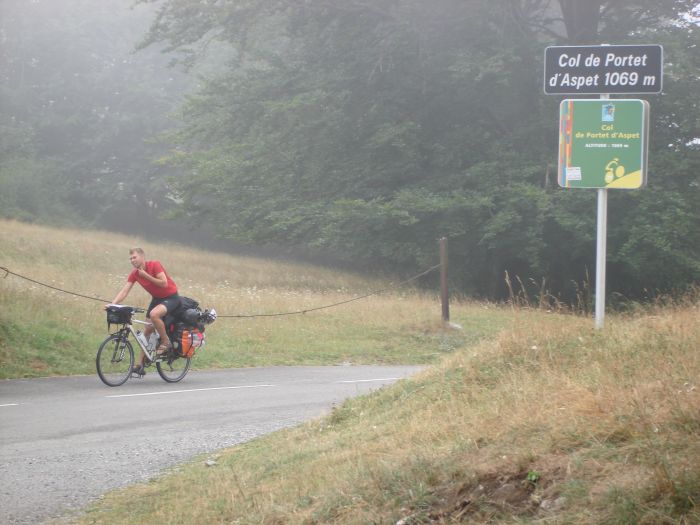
pixel 172 368
pixel 115 360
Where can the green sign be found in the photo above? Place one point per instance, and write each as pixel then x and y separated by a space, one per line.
pixel 603 143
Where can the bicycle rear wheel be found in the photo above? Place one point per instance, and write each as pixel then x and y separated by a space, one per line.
pixel 115 360
pixel 173 368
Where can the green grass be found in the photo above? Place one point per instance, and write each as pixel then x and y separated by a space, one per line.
pixel 61 338
pixel 608 420
pixel 39 338
pixel 45 332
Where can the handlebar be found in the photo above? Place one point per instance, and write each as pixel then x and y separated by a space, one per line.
pixel 134 309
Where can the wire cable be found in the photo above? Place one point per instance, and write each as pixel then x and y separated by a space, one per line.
pixel 246 316
pixel 8 272
pixel 298 312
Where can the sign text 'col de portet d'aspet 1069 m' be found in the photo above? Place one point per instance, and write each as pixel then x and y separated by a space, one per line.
pixel 603 69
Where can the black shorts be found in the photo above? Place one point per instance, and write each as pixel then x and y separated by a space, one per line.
pixel 171 302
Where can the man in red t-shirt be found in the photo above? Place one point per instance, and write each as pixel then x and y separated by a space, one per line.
pixel 151 275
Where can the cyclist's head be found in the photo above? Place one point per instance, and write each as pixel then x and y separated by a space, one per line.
pixel 137 257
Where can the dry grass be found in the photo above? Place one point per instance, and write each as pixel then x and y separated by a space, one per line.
pixel 548 422
pixel 401 326
pixel 97 263
pixel 551 422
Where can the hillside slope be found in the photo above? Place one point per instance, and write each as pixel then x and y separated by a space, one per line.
pixel 526 417
pixel 551 422
pixel 47 332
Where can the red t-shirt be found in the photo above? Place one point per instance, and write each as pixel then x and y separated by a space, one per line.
pixel 153 268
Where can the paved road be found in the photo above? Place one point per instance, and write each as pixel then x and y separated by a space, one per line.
pixel 65 441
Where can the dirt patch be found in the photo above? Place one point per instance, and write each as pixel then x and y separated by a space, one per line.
pixel 36 364
pixel 492 493
pixel 523 492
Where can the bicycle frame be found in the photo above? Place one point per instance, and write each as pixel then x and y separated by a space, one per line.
pixel 149 354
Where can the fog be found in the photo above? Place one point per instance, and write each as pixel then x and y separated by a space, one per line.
pixel 363 130
pixel 81 110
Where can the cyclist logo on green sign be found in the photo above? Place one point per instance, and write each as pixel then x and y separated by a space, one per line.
pixel 613 170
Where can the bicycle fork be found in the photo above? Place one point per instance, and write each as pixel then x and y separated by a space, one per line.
pixel 119 350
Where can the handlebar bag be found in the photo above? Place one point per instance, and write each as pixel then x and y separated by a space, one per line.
pixel 119 314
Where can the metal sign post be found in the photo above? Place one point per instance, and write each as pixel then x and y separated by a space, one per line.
pixel 603 143
pixel 601 257
pixel 601 251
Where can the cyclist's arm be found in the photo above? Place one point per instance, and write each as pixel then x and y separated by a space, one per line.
pixel 123 293
pixel 159 280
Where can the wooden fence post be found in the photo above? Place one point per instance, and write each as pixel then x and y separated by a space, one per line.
pixel 444 293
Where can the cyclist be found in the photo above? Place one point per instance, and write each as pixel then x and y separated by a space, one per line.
pixel 152 277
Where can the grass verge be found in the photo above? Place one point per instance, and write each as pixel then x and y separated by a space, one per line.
pixel 550 422
pixel 45 332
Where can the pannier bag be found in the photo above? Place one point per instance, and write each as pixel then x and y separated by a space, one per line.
pixel 187 327
pixel 188 341
pixel 191 315
pixel 187 303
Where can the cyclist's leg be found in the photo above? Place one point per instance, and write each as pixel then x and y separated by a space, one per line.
pixel 148 330
pixel 157 314
pixel 140 360
pixel 158 309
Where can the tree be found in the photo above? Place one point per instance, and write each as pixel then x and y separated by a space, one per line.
pixel 79 108
pixel 581 18
pixel 371 129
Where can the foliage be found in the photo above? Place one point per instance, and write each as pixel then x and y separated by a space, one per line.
pixel 372 130
pixel 368 130
pixel 77 110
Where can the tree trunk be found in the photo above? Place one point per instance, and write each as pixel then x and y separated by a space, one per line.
pixel 581 20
